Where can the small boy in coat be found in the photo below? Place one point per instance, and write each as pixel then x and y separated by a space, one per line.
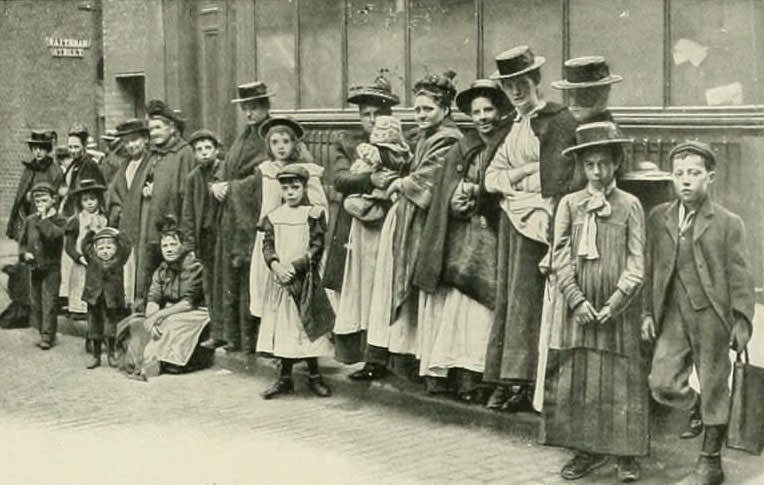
pixel 697 300
pixel 41 243
pixel 106 252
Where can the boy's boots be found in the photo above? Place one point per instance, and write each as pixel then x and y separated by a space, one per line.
pixel 96 359
pixel 708 470
pixel 111 352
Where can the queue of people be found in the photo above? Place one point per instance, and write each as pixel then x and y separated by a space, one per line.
pixel 501 265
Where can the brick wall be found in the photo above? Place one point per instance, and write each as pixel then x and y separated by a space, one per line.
pixel 37 89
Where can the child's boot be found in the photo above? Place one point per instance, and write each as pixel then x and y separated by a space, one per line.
pixel 111 352
pixel 96 359
pixel 281 386
pixel 317 386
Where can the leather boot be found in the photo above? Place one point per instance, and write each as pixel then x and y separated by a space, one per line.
pixel 317 386
pixel 95 361
pixel 694 425
pixel 708 470
pixel 111 352
pixel 281 386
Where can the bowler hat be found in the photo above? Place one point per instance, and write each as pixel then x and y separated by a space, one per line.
pixel 697 147
pixel 43 186
pixel 252 91
pixel 158 108
pixel 132 126
pixel 293 171
pixel 106 233
pixel 516 62
pixel 80 131
pixel 203 135
pixel 379 93
pixel 586 72
pixel 599 133
pixel 86 185
pixel 281 121
pixel 41 138
pixel 483 87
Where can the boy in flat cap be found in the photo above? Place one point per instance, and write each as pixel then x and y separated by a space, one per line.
pixel 106 252
pixel 199 207
pixel 697 300
pixel 40 246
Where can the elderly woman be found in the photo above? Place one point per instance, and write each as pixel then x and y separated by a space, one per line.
pixel 392 324
pixel 458 270
pixel 530 174
pixel 166 336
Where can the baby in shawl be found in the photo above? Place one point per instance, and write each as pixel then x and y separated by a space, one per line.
pixel 387 150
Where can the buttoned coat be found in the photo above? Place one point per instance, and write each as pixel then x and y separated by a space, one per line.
pixel 720 258
pixel 105 278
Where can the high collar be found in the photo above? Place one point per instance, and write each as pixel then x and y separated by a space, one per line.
pixel 532 113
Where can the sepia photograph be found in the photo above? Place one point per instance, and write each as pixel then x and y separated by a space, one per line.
pixel 350 242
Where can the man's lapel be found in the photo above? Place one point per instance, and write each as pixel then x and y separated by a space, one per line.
pixel 703 219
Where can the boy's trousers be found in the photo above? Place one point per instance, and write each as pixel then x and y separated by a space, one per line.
pixel 102 321
pixel 43 301
pixel 688 337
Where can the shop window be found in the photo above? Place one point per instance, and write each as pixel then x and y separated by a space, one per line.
pixel 443 37
pixel 537 23
pixel 629 34
pixel 275 27
pixel 376 41
pixel 714 59
pixel 321 54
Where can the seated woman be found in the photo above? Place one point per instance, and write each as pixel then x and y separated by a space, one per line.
pixel 166 337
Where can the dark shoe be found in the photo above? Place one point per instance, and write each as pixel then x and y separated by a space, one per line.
pixel 212 343
pixel 498 397
pixel 708 471
pixel 517 401
pixel 369 372
pixel 317 386
pixel 44 345
pixel 111 352
pixel 628 469
pixel 581 465
pixel 694 424
pixel 282 386
pixel 95 361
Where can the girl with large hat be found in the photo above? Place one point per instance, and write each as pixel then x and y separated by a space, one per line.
pixel 458 269
pixel 529 173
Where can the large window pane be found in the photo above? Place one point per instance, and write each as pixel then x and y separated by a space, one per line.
pixel 274 26
pixel 321 54
pixel 629 33
pixel 537 23
pixel 442 38
pixel 715 55
pixel 376 41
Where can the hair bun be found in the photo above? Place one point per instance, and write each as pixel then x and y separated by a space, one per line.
pixel 167 224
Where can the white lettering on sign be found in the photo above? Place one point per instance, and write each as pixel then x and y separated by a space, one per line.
pixel 67 47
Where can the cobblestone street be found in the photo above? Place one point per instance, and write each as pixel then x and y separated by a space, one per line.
pixel 63 424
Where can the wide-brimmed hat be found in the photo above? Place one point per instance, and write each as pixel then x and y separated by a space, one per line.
pixel 203 135
pixel 86 185
pixel 379 93
pixel 516 62
pixel 41 138
pixel 132 126
pixel 586 72
pixel 43 186
pixel 596 134
pixel 293 171
pixel 697 147
pixel 251 91
pixel 266 125
pixel 646 171
pixel 158 108
pixel 483 87
pixel 110 136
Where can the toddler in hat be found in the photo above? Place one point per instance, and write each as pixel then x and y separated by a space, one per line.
pixel 40 244
pixel 297 316
pixel 105 252
pixel 387 150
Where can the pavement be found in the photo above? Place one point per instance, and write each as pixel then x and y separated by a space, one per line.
pixel 62 423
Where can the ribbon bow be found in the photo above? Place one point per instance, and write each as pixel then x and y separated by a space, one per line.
pixel 596 205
